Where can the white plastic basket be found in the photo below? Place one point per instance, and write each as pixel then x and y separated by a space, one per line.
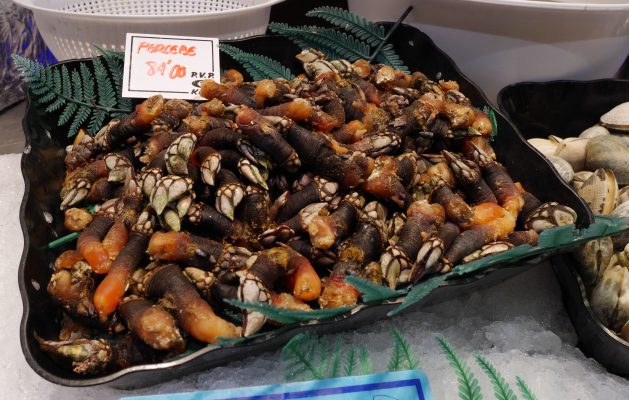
pixel 70 27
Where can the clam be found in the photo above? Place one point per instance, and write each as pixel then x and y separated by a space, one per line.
pixel 544 146
pixel 624 333
pixel 594 131
pixel 609 152
pixel 623 137
pixel 623 195
pixel 579 178
pixel 600 191
pixel 563 167
pixel 555 139
pixel 573 151
pixel 617 118
pixel 622 210
pixel 593 258
pixel 621 258
pixel 610 297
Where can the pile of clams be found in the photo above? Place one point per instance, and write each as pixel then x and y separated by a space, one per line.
pixel 596 164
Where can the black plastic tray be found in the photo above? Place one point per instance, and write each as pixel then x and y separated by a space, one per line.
pixel 43 169
pixel 566 108
pixel 595 340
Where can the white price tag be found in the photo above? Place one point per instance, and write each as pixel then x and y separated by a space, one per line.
pixel 173 66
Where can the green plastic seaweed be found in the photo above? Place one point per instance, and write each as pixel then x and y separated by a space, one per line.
pixel 502 390
pixel 258 66
pixel 87 94
pixel 372 34
pixel 469 389
pixel 372 292
pixel 286 316
pixel 402 357
pixel 525 391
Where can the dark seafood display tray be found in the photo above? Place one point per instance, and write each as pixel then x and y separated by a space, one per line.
pixel 595 340
pixel 43 169
pixel 564 109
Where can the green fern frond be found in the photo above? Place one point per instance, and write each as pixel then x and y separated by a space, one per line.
pixel 114 61
pixel 299 356
pixel 58 100
pixel 87 80
pixel 525 391
pixel 76 94
pixel 55 105
pixel 418 292
pixel 387 55
pixel 395 361
pixel 29 70
pixel 469 388
pixel 96 122
pixel 501 387
pixel 333 43
pixel 258 66
pixel 66 85
pixel 494 122
pixel 80 117
pixel 322 349
pixel 372 292
pixel 364 359
pixel 334 369
pixel 372 34
pixel 114 54
pixel 282 29
pixel 365 30
pixel 67 113
pixel 350 361
pixel 403 357
pixel 104 87
pixel 286 316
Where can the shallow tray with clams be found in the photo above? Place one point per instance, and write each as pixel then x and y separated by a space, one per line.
pixel 43 169
pixel 564 109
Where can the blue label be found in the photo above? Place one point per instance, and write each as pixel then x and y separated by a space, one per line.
pixel 403 385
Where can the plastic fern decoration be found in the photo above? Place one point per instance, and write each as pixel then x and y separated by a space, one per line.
pixel 112 54
pixel 469 388
pixel 418 292
pixel 300 358
pixel 258 66
pixel 525 391
pixel 402 357
pixel 115 62
pixel 82 95
pixel 494 123
pixel 501 387
pixel 333 43
pixel 286 316
pixel 366 367
pixel 334 366
pixel 350 362
pixel 372 34
pixel 372 292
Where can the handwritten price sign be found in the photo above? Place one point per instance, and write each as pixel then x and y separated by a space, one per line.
pixel 173 66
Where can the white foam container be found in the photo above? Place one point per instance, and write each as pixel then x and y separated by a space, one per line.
pixel 498 42
pixel 70 27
